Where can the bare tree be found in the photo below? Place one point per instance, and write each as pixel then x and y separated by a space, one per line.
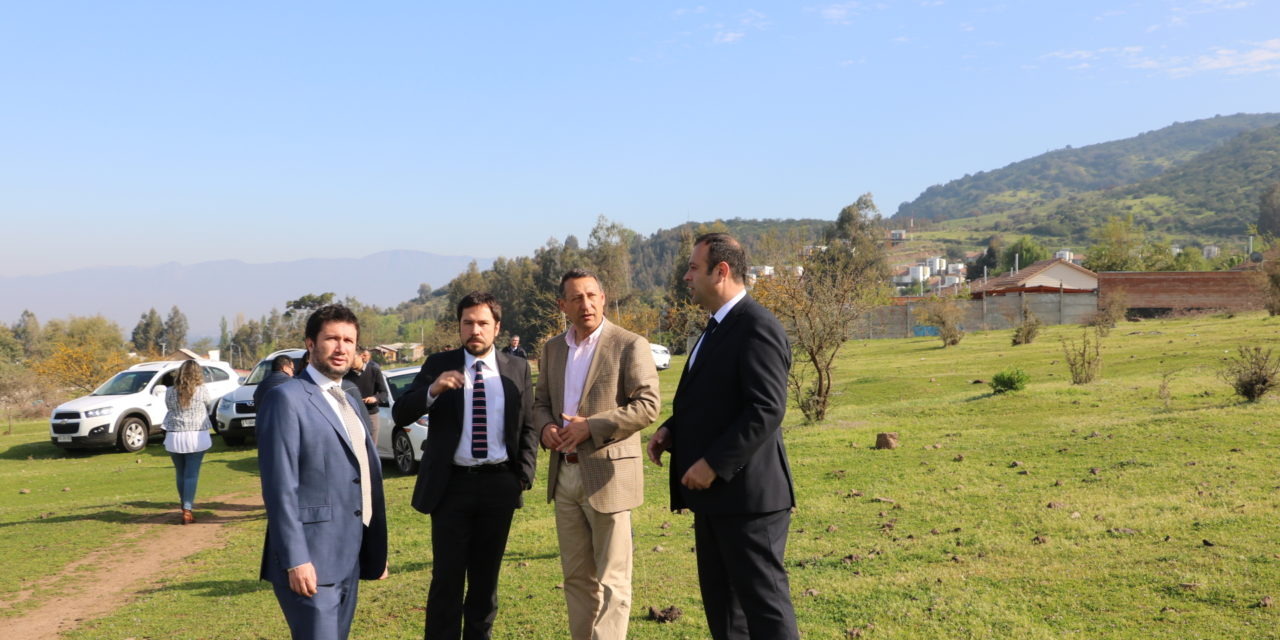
pixel 823 296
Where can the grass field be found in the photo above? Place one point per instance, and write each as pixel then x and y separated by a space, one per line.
pixel 1056 512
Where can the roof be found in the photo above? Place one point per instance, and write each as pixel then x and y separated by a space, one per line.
pixel 1017 280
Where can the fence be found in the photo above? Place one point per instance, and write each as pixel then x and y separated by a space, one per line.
pixel 994 312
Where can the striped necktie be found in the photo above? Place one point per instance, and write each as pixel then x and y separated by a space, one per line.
pixel 479 433
pixel 355 431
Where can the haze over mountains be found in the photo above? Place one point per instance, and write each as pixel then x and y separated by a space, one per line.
pixel 208 291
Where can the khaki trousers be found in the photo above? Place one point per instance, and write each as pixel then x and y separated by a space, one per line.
pixel 595 554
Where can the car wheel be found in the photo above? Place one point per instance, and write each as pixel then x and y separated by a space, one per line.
pixel 233 441
pixel 402 449
pixel 133 434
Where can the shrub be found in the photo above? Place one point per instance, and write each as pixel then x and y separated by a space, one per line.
pixel 1251 373
pixel 946 315
pixel 1085 359
pixel 1026 332
pixel 1110 312
pixel 1009 380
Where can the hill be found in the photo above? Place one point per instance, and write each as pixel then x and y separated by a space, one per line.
pixel 1213 167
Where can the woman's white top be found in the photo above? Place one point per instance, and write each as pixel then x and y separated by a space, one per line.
pixel 187 428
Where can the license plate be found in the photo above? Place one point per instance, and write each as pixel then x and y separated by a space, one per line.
pixel 64 438
pixel 248 422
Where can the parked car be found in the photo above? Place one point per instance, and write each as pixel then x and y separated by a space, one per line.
pixel 128 410
pixel 236 416
pixel 661 356
pixel 402 446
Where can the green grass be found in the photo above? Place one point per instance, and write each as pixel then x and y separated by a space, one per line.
pixel 967 548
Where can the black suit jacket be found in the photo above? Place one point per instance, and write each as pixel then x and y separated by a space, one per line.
pixel 273 380
pixel 446 423
pixel 728 409
pixel 370 383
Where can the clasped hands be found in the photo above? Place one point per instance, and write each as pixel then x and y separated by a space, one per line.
pixel 566 438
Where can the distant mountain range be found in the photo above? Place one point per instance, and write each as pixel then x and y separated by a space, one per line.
pixel 208 291
pixel 1200 178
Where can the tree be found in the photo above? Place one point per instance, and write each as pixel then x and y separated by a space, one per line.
pixel 610 250
pixel 1025 251
pixel 988 263
pixel 148 333
pixel 79 366
pixel 10 347
pixel 306 304
pixel 1120 244
pixel 224 336
pixel 27 332
pixel 821 303
pixel 1269 211
pixel 175 330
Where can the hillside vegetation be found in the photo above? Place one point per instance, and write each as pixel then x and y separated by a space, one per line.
pixel 1060 511
pixel 1200 178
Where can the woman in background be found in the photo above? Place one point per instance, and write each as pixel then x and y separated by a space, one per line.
pixel 187 431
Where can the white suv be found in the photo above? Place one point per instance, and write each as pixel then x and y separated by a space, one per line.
pixel 127 410
pixel 236 417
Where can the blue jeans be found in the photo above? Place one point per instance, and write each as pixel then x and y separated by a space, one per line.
pixel 187 466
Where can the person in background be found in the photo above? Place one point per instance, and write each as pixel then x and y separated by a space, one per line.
pixel 514 349
pixel 281 370
pixel 367 376
pixel 186 429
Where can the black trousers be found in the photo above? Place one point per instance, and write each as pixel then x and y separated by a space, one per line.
pixel 744 582
pixel 468 537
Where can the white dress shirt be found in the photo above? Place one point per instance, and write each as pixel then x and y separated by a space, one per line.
pixel 495 411
pixel 576 364
pixel 326 384
pixel 719 316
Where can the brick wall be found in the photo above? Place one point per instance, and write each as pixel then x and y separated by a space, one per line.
pixel 1234 290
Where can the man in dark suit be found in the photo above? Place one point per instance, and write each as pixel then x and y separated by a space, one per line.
pixel 728 463
pixel 514 349
pixel 479 458
pixel 281 372
pixel 322 486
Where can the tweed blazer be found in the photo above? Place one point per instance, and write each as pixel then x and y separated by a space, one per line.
pixel 619 398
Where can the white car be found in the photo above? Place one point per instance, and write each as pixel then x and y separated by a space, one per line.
pixel 236 416
pixel 402 446
pixel 127 410
pixel 661 356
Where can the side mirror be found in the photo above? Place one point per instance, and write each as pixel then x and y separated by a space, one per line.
pixel 159 390
pixel 241 379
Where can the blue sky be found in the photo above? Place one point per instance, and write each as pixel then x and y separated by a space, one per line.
pixel 142 133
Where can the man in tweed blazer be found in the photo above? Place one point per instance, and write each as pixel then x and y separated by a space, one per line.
pixel 597 389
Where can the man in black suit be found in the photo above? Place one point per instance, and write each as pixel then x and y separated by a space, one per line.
pixel 281 372
pixel 728 463
pixel 479 458
pixel 514 349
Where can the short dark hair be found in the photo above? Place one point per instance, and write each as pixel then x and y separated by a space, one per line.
pixel 479 298
pixel 722 247
pixel 279 362
pixel 574 274
pixel 330 313
pixel 362 350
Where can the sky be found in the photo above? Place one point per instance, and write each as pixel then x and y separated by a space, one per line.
pixel 142 133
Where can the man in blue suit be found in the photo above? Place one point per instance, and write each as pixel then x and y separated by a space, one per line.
pixel 322 486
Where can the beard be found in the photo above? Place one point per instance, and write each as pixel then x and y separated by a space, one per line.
pixel 329 371
pixel 477 349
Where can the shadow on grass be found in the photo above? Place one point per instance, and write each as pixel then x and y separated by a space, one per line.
pixel 215 588
pixel 161 513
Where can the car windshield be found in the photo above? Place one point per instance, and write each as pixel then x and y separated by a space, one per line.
pixel 125 383
pixel 259 372
pixel 400 384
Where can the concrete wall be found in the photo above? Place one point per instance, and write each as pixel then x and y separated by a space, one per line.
pixel 996 312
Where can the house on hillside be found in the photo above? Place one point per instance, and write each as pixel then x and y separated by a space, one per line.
pixel 400 352
pixel 1047 276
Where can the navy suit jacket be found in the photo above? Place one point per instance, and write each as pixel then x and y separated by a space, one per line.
pixel 310 485
pixel 446 423
pixel 728 409
pixel 273 380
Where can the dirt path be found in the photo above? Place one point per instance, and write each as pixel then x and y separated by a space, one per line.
pixel 101 581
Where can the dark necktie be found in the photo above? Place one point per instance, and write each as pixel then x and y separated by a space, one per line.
pixel 479 434
pixel 697 348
